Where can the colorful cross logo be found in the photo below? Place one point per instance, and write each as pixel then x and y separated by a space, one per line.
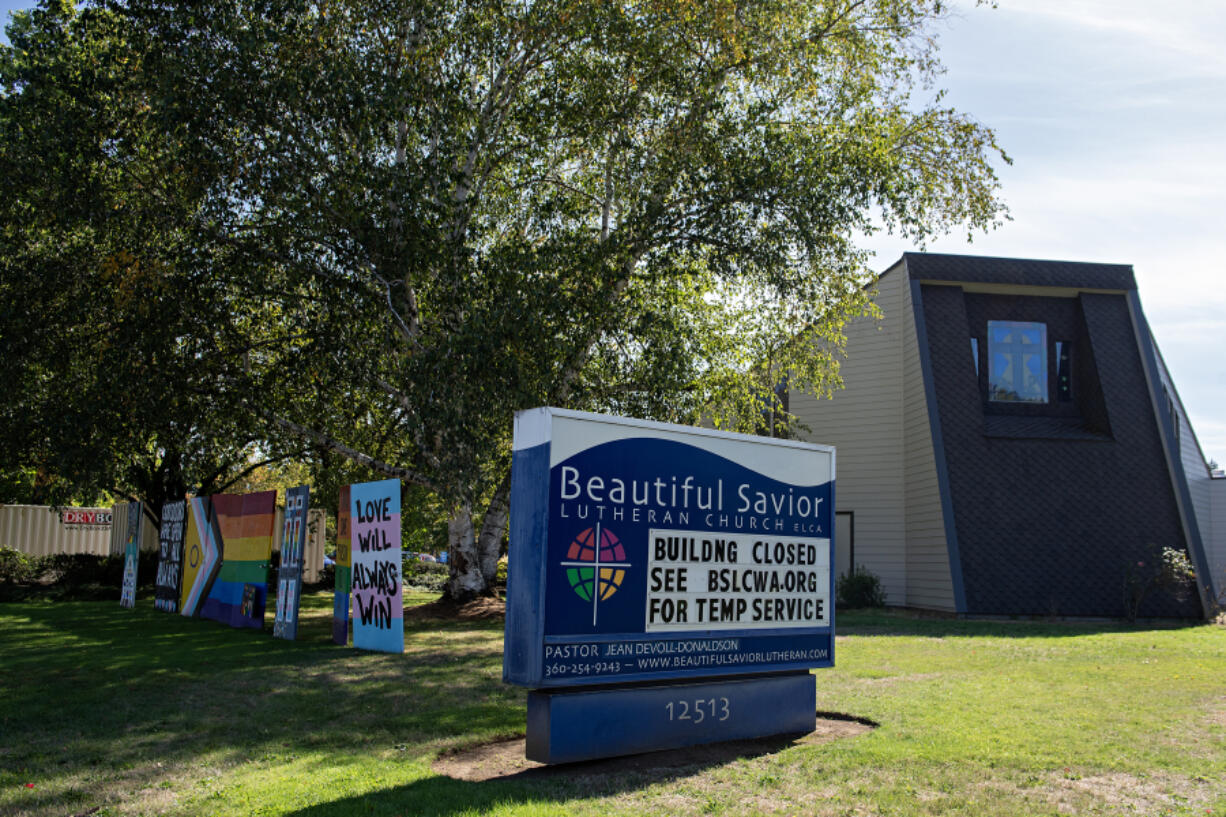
pixel 595 566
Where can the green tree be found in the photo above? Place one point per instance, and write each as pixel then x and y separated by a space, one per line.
pixel 467 208
pixel 127 371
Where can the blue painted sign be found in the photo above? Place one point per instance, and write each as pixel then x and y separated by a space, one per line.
pixel 643 551
pixel 289 574
pixel 131 556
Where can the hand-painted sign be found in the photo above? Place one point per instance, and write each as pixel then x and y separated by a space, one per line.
pixel 131 556
pixel 170 556
pixel 289 575
pixel 344 573
pixel 201 555
pixel 378 609
pixel 246 524
pixel 651 551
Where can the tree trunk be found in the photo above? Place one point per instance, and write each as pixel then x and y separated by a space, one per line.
pixel 466 581
pixel 493 526
pixel 473 556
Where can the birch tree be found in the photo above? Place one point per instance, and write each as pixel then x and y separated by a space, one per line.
pixel 467 208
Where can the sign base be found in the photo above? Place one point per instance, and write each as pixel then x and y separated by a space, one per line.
pixel 564 727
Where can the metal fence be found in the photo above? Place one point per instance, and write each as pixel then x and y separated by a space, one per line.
pixel 38 530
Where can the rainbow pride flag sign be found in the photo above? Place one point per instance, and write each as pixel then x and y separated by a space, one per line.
pixel 374 524
pixel 246 523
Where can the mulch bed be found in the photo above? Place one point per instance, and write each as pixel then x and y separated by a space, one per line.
pixel 504 759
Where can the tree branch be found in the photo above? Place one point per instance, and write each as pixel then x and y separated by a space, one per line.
pixel 355 455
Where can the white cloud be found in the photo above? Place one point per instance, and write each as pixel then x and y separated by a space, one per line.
pixel 1183 32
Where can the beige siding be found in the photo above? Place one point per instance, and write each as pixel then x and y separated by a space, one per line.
pixel 864 421
pixel 929 583
pixel 39 531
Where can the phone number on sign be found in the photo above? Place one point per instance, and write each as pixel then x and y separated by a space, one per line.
pixel 593 668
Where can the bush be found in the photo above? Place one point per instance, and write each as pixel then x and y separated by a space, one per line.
pixel 1166 569
pixel 427 576
pixel 79 569
pixel 77 576
pixel 860 588
pixel 327 578
pixel 16 567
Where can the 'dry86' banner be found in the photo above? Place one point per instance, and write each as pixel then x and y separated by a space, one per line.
pixel 646 550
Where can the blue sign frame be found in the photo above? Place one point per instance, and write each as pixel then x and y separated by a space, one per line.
pixel 646 551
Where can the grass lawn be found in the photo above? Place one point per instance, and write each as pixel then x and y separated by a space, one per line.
pixel 109 711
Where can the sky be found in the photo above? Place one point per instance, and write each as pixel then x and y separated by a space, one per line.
pixel 1114 113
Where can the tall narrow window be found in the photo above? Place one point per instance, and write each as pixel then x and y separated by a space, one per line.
pixel 1170 408
pixel 975 354
pixel 1017 362
pixel 1064 371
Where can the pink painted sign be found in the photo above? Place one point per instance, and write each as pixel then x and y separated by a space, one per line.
pixel 374 525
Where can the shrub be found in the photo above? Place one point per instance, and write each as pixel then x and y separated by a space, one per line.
pixel 860 588
pixel 16 567
pixel 427 576
pixel 1167 569
pixel 327 578
pixel 76 569
pixel 78 576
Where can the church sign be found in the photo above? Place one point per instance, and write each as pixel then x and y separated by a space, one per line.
pixel 646 552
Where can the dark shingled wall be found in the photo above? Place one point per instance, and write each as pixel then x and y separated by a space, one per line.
pixel 1048 523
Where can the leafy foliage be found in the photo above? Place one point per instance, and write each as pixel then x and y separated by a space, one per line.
pixel 860 588
pixel 128 368
pixel 71 576
pixel 427 576
pixel 1168 569
pixel 15 567
pixel 401 222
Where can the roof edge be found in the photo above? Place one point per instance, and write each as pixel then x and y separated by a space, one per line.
pixel 985 269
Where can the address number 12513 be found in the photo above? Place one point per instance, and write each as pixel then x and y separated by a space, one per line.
pixel 698 711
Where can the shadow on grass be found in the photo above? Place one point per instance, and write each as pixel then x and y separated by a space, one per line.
pixel 102 702
pixel 895 621
pixel 440 796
